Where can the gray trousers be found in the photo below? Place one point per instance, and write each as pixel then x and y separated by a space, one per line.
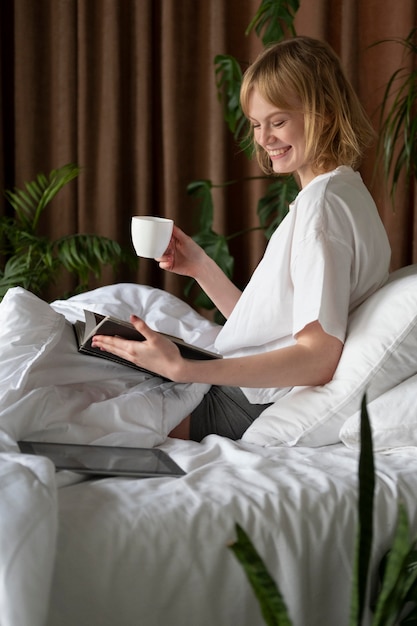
pixel 223 411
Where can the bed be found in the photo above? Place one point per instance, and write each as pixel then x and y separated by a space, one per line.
pixel 155 552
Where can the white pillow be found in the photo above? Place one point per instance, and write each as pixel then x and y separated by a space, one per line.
pixel 162 310
pixel 393 419
pixel 379 353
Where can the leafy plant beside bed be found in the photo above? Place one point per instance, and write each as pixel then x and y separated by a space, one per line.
pixel 397 143
pixel 31 260
pixel 398 569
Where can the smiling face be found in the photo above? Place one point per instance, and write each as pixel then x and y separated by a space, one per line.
pixel 281 134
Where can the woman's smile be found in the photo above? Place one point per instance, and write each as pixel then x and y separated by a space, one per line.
pixel 278 152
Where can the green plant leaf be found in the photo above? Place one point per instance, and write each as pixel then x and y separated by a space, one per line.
pixel 228 82
pixel 270 600
pixel 30 202
pixel 274 205
pixel 14 273
pixel 217 248
pixel 215 245
pixel 23 205
pixel 399 575
pixel 32 269
pixel 412 566
pixel 397 140
pixel 84 254
pixel 365 521
pixel 33 261
pixel 201 191
pixel 275 19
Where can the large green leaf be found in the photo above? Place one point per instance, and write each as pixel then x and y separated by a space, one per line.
pixel 275 19
pixel 228 82
pixel 365 522
pixel 33 261
pixel 201 191
pixel 30 202
pixel 400 575
pixel 32 269
pixel 217 248
pixel 215 245
pixel 270 599
pixel 274 205
pixel 84 254
pixel 397 141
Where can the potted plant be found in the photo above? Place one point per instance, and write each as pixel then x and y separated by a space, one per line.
pixel 31 260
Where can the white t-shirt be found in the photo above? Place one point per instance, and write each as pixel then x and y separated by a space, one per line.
pixel 327 256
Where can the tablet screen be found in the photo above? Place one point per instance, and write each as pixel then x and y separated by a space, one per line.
pixel 105 460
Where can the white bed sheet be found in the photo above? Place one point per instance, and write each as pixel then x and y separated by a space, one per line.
pixel 154 552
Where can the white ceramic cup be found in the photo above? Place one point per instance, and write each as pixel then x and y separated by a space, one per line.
pixel 151 235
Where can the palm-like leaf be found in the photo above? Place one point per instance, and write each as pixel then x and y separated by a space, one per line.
pixel 397 143
pixel 83 255
pixel 33 269
pixel 30 202
pixel 33 261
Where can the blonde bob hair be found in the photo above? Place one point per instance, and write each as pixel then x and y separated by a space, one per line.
pixel 305 74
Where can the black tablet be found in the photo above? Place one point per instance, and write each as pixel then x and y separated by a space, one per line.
pixel 105 460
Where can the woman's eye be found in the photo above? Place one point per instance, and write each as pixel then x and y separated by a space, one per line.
pixel 278 124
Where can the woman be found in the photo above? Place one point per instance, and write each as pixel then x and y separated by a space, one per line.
pixel 328 255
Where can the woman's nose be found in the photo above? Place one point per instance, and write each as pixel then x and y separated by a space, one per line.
pixel 265 135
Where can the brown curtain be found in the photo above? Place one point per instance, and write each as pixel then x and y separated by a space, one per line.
pixel 126 89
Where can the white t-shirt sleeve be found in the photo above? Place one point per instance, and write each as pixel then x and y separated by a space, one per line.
pixel 321 279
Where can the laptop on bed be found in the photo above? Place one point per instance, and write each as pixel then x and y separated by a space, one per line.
pixel 105 460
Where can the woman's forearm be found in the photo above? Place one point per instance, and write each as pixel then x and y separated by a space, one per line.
pixel 214 282
pixel 311 361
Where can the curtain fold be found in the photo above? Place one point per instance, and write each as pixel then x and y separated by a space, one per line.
pixel 126 89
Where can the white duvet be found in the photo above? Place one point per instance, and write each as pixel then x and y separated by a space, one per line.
pixel 154 552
